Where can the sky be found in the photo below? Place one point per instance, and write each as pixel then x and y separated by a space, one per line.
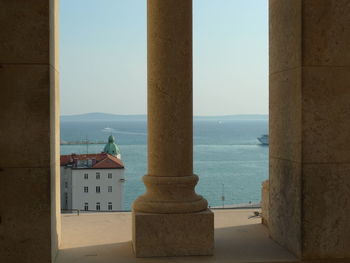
pixel 102 56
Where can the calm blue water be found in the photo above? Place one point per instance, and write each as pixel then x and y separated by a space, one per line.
pixel 227 156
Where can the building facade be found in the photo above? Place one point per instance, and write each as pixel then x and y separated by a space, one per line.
pixel 91 182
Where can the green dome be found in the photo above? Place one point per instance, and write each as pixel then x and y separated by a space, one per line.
pixel 111 139
pixel 111 148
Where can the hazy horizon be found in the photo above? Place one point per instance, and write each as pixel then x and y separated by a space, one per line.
pixel 144 114
pixel 102 54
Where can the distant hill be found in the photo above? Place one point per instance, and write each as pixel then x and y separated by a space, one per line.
pixel 97 116
pixel 234 117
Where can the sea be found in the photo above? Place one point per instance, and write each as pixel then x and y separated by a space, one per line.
pixel 228 158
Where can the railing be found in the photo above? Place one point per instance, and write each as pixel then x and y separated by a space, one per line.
pixel 228 207
pixel 70 211
pixel 82 211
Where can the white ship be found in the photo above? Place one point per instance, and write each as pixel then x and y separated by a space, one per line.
pixel 264 139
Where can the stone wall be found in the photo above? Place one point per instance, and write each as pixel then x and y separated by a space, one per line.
pixel 310 127
pixel 265 203
pixel 29 138
pixel 285 123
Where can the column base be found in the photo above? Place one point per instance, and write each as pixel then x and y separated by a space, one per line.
pixel 166 235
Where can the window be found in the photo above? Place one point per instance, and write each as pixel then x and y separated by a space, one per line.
pixel 86 176
pixel 109 176
pixel 98 189
pixel 66 184
pixel 66 200
pixel 86 206
pixel 98 206
pixel 98 176
pixel 110 206
pixel 109 189
pixel 86 189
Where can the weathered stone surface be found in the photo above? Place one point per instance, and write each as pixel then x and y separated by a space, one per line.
pixel 54 28
pixel 29 134
pixel 25 115
pixel 160 235
pixel 285 35
pixel 170 195
pixel 326 111
pixel 169 50
pixel 168 220
pixel 25 227
pixel 326 29
pixel 285 204
pixel 326 210
pixel 170 181
pixel 55 176
pixel 265 199
pixel 25 32
pixel 308 193
pixel 285 115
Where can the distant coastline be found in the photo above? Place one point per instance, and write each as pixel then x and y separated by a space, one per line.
pixel 97 116
pixel 82 142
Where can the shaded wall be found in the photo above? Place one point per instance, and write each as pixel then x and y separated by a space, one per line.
pixel 309 208
pixel 29 138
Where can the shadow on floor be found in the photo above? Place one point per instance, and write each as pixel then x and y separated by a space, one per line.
pixel 245 243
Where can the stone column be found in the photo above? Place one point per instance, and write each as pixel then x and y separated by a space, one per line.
pixel 310 127
pixel 170 219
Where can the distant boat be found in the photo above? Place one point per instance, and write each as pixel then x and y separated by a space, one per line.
pixel 264 139
pixel 108 130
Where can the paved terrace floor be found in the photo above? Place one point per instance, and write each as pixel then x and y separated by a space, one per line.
pixel 106 238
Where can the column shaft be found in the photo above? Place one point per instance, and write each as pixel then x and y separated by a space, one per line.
pixel 170 219
pixel 170 180
pixel 170 88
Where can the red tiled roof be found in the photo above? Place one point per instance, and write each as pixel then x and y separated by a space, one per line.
pixel 103 160
pixel 109 162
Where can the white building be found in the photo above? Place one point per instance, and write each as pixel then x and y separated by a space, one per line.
pixel 92 182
